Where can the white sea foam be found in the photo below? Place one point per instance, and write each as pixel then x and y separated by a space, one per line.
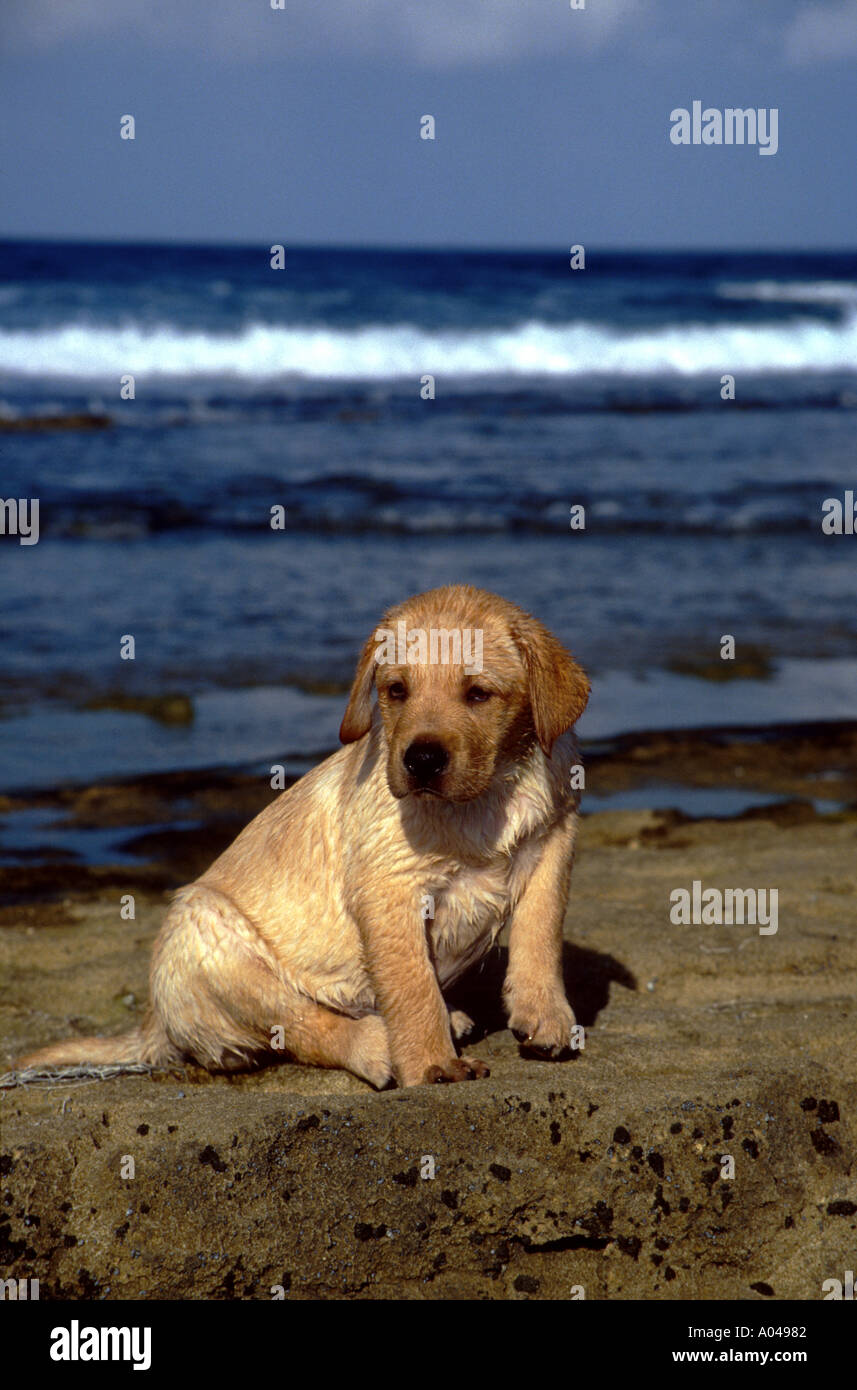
pixel 843 292
pixel 381 352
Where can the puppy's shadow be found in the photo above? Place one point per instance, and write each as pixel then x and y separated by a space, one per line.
pixel 587 974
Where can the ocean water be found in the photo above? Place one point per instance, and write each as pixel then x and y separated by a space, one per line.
pixel 300 388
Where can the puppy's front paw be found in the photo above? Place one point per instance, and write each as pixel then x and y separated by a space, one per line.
pixel 456 1069
pixel 460 1023
pixel 543 1023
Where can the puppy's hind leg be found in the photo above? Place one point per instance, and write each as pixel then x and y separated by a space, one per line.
pixel 326 1039
pixel 219 990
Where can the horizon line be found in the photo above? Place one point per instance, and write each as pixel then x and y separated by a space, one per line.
pixel 415 248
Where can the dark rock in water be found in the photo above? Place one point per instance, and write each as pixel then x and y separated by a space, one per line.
pixel 167 709
pixel 34 424
pixel 753 663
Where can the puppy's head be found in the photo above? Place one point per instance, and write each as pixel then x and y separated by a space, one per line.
pixel 466 683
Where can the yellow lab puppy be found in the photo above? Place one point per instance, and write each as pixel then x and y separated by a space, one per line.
pixel 330 927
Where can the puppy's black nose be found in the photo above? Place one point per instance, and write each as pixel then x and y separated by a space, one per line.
pixel 425 760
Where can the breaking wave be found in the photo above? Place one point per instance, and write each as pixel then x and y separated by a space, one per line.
pixel 380 352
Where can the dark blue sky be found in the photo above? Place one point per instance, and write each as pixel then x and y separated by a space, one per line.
pixel 302 125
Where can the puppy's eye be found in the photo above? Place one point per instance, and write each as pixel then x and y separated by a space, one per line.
pixel 397 691
pixel 476 695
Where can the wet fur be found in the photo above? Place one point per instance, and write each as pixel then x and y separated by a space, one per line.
pixel 311 922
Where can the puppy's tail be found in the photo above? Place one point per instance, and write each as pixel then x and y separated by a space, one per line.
pixel 149 1044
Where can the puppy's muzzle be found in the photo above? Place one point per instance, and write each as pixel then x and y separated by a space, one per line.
pixel 424 762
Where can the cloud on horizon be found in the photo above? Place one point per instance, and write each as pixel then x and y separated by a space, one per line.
pixel 442 33
pixel 434 33
pixel 823 33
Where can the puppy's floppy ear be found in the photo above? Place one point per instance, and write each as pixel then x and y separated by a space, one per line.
pixel 559 688
pixel 357 719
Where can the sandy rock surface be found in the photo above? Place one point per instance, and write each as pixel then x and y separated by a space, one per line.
pixel 604 1173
